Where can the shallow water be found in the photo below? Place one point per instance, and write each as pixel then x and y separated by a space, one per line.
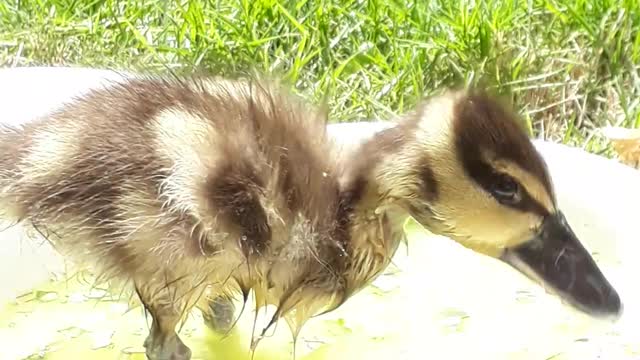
pixel 439 301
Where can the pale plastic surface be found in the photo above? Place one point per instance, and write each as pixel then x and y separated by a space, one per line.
pixel 599 197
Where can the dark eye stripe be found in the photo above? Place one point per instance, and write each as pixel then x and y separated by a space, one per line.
pixel 485 176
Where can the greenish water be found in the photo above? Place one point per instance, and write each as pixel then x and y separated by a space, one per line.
pixel 439 301
pixel 68 320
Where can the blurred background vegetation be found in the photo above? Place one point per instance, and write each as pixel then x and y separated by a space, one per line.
pixel 570 67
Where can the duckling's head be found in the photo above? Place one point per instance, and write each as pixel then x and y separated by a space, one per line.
pixel 463 167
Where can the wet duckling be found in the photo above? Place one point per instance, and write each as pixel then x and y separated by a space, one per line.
pixel 192 190
pixel 463 167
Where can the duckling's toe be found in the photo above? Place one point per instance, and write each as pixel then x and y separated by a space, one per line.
pixel 172 348
pixel 221 314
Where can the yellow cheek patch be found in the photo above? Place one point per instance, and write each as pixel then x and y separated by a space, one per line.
pixel 487 227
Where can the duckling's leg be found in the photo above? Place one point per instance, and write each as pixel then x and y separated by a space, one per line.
pixel 163 343
pixel 220 314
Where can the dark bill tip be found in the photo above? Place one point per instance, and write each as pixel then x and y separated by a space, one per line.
pixel 557 259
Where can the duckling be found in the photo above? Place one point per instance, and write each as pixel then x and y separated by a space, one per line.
pixel 461 165
pixel 193 190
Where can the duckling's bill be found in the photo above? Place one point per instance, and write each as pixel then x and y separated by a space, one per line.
pixel 556 259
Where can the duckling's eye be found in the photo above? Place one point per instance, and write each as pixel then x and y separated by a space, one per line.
pixel 505 189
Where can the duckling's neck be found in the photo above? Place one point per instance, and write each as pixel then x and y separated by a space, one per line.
pixel 375 171
pixel 377 221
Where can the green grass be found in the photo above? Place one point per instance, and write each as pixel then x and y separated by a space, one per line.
pixel 569 66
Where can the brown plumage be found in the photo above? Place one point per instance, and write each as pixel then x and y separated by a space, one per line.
pixel 181 187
